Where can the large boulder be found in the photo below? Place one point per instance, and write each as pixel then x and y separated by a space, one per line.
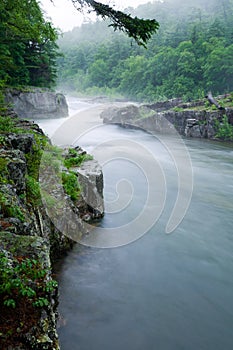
pixel 90 177
pixel 37 103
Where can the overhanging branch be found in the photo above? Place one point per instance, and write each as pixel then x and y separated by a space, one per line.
pixel 139 29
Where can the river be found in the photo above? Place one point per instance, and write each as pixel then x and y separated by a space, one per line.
pixel 161 291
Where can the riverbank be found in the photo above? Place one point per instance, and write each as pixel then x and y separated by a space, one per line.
pixel 196 119
pixel 31 238
pixel 19 151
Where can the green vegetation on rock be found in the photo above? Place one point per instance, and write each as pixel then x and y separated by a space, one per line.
pixel 23 278
pixel 74 159
pixel 224 129
pixel 8 208
pixel 71 185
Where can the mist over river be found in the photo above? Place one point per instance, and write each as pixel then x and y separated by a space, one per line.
pixel 160 292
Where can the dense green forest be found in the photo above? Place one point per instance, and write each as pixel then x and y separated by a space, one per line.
pixel 191 54
pixel 28 49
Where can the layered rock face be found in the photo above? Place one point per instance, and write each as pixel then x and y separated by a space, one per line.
pixel 28 230
pixel 189 119
pixel 37 103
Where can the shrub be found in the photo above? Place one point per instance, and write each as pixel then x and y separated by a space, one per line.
pixel 6 124
pixel 24 280
pixel 10 209
pixel 33 191
pixel 71 185
pixel 74 159
pixel 224 130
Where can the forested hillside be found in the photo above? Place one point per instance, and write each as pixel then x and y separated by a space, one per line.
pixel 28 48
pixel 191 54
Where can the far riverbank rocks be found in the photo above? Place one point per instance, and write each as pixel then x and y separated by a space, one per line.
pixel 193 119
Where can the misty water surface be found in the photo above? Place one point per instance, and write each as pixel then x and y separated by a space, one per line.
pixel 161 292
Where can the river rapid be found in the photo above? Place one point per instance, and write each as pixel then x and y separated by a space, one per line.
pixel 162 291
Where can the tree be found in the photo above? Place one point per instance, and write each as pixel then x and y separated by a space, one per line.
pixel 27 44
pixel 198 59
pixel 139 29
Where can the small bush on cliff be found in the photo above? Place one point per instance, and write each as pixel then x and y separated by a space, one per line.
pixel 224 129
pixel 71 185
pixel 9 209
pixel 6 124
pixel 33 191
pixel 23 278
pixel 74 159
pixel 25 287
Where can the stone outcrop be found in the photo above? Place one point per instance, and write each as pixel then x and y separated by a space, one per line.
pixel 42 334
pixel 27 228
pixel 189 119
pixel 90 177
pixel 37 103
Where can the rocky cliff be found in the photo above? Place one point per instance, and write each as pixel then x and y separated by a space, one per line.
pixel 195 119
pixel 30 237
pixel 36 103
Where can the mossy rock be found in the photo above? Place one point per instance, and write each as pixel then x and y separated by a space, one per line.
pixel 31 246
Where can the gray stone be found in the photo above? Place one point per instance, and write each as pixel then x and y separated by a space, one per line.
pixel 188 122
pixel 123 115
pixel 37 103
pixel 22 142
pixel 90 177
pixel 16 167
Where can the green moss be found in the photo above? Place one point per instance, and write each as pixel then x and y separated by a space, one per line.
pixel 71 185
pixel 3 170
pixel 2 141
pixel 32 191
pixel 178 109
pixel 74 159
pixel 6 124
pixel 9 209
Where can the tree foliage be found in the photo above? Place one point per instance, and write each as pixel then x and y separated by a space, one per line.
pixel 28 49
pixel 190 54
pixel 139 29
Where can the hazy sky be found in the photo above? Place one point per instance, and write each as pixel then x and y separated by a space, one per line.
pixel 65 16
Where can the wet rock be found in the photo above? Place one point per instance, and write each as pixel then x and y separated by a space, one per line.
pixel 123 115
pixel 22 142
pixel 162 119
pixel 164 105
pixel 37 103
pixel 15 163
pixel 90 177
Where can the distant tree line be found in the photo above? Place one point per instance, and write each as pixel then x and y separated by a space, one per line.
pixel 28 49
pixel 191 54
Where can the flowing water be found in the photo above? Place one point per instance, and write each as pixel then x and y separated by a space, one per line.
pixel 161 292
